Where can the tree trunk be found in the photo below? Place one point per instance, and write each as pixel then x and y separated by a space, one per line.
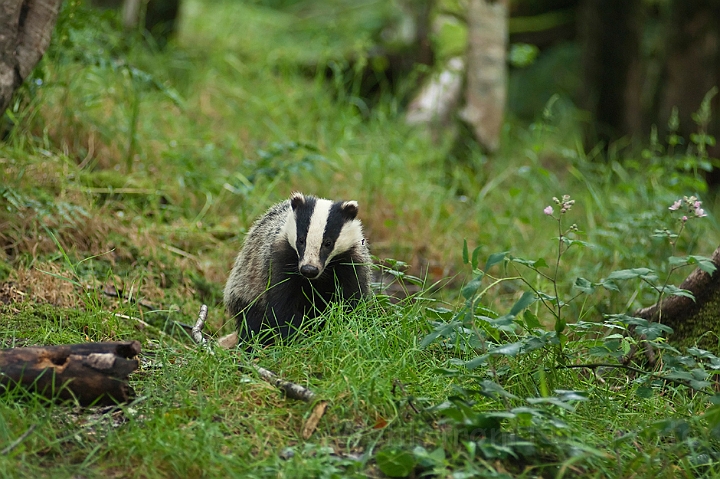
pixel 486 88
pixel 92 373
pixel 610 39
pixel 690 319
pixel 25 29
pixel 692 66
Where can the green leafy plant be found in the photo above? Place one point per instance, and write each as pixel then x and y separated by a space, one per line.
pixel 493 351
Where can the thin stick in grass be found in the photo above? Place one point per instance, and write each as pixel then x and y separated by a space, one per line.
pixel 292 390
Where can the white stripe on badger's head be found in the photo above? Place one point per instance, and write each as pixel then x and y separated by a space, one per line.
pixel 318 230
pixel 351 233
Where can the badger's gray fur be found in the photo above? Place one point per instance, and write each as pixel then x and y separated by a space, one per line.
pixel 298 257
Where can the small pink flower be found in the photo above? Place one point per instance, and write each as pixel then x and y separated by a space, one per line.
pixel 697 204
pixel 675 206
pixel 548 210
pixel 684 219
pixel 699 212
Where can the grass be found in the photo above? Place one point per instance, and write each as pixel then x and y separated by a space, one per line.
pixel 140 170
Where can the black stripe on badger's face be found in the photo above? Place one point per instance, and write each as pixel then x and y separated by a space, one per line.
pixel 319 229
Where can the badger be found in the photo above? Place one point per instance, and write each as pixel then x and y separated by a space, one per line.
pixel 300 256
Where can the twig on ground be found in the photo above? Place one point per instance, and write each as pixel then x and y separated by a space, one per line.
pixel 196 332
pixel 312 421
pixel 18 441
pixel 292 390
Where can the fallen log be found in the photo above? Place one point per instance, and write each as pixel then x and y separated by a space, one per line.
pixel 91 373
pixel 691 318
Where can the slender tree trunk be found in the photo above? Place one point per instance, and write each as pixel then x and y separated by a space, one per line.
pixel 25 29
pixel 692 66
pixel 486 88
pixel 610 38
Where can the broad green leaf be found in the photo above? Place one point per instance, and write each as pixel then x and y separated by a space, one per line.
pixel 699 385
pixel 609 285
pixel 440 312
pixel 546 297
pixel 508 349
pixel 478 361
pixel 429 459
pixel 531 321
pixel 442 330
pixel 494 259
pixel 675 291
pixel 485 311
pixel 569 395
pixel 535 264
pixel 666 427
pixel 678 260
pixel 652 331
pixel 472 287
pixel 525 300
pixel 552 400
pixel 503 323
pixel 395 462
pixel 644 392
pixel 493 390
pixel 681 375
pixel 625 274
pixel 701 353
pixel 572 242
pixel 584 285
pixel 704 263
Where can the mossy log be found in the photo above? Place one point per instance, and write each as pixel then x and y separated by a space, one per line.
pixel 92 373
pixel 691 320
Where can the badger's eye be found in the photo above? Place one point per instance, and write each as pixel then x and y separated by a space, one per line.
pixel 301 241
pixel 327 243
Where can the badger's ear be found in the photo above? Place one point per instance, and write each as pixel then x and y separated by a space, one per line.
pixel 296 199
pixel 349 210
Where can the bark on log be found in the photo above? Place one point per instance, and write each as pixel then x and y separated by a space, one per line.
pixel 92 373
pixel 691 319
pixel 25 29
pixel 486 70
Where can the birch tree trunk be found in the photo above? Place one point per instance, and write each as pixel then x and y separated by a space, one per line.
pixel 486 88
pixel 25 29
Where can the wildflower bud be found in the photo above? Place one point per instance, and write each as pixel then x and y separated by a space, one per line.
pixel 684 219
pixel 548 210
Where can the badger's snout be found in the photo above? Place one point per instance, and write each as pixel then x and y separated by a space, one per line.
pixel 309 271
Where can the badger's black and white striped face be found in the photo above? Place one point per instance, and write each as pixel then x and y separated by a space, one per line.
pixel 319 229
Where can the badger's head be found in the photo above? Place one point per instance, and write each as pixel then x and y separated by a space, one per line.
pixel 319 229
